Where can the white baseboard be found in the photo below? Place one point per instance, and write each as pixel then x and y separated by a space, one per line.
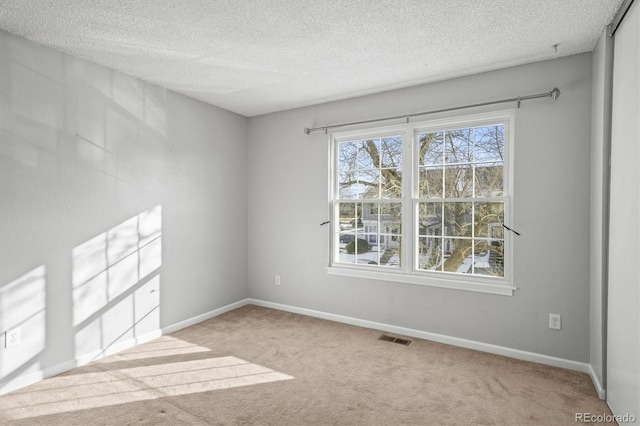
pixel 22 381
pixel 115 348
pixel 602 393
pixel 38 375
pixel 440 338
pixel 203 317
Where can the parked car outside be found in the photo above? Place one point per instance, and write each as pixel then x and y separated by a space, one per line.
pixel 347 238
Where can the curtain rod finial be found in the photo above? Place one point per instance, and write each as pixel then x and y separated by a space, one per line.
pixel 555 93
pixel 307 130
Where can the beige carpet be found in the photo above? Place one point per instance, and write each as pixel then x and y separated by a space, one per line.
pixel 258 366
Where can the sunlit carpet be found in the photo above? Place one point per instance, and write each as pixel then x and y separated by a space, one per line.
pixel 258 366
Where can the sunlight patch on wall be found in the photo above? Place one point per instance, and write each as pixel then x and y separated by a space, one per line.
pixel 128 92
pixel 155 108
pixel 116 283
pixel 23 307
pixel 35 96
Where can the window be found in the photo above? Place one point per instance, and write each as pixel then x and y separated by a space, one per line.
pixel 425 203
pixel 369 202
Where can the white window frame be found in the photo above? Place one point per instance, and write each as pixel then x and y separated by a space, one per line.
pixel 408 272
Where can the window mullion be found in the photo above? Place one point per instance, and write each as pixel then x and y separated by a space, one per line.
pixel 409 166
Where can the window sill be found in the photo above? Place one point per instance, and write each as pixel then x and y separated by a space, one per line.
pixel 478 285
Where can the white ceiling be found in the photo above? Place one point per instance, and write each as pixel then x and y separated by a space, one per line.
pixel 259 56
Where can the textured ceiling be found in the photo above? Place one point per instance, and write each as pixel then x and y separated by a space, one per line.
pixel 259 56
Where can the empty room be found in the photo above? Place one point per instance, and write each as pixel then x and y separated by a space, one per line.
pixel 329 212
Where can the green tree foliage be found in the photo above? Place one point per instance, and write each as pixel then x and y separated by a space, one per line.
pixel 363 246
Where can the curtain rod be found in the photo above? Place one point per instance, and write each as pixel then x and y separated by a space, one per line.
pixel 554 94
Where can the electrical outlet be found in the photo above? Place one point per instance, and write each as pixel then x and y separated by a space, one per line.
pixel 12 338
pixel 555 321
pixel 277 279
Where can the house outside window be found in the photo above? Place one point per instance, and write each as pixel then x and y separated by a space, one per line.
pixel 425 203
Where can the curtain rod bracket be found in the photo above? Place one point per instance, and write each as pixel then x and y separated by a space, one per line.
pixel 512 230
pixel 519 102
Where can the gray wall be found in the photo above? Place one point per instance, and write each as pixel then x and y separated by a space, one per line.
pixel 288 176
pixel 600 150
pixel 122 208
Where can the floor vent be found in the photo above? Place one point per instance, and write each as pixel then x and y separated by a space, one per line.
pixel 392 339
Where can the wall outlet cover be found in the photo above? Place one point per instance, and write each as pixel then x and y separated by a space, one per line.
pixel 12 338
pixel 555 321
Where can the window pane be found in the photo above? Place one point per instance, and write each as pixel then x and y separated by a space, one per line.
pixel 489 143
pixel 489 218
pixel 382 226
pixel 370 218
pixel 457 219
pixel 369 154
pixel 372 257
pixel 372 241
pixel 391 218
pixel 357 250
pixel 489 180
pixel 458 181
pixel 481 257
pixel 431 182
pixel 391 183
pixel 369 233
pixel 430 253
pixel 350 229
pixel 391 148
pixel 347 154
pixel 496 259
pixel 350 216
pixel 356 190
pixel 348 185
pixel 430 149
pixel 368 184
pixel 458 146
pixel 370 169
pixel 391 254
pixel 430 219
pixel 489 259
pixel 458 256
pixel 346 237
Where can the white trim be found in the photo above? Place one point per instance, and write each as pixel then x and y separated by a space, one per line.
pixel 203 317
pixel 54 370
pixel 115 348
pixel 442 282
pixel 41 374
pixel 408 271
pixel 36 376
pixel 28 379
pixel 602 393
pixel 440 338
